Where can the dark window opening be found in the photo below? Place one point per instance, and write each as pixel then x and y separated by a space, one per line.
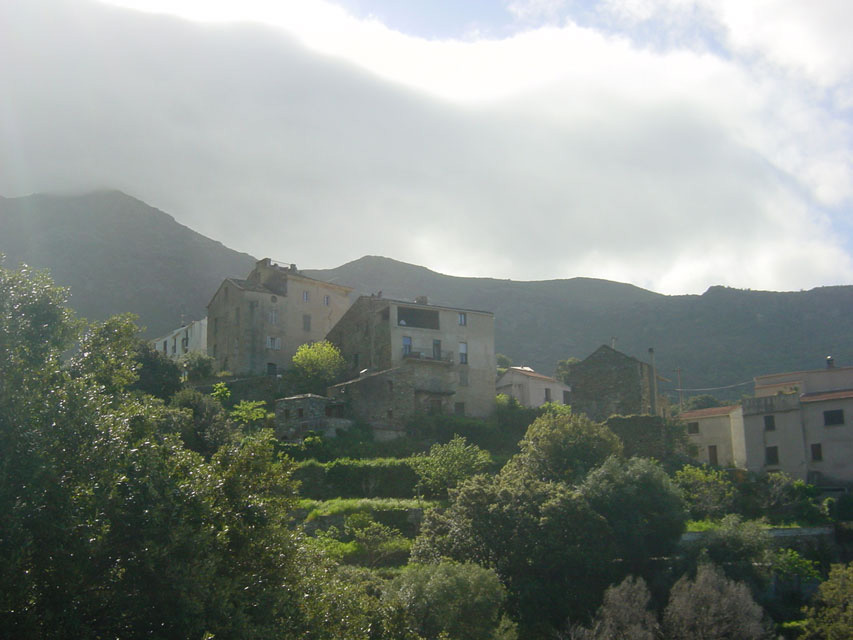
pixel 306 322
pixel 771 455
pixel 817 452
pixel 693 428
pixel 271 369
pixel 421 318
pixel 459 408
pixel 300 412
pixel 328 411
pixel 770 423
pixel 436 349
pixel 712 455
pixel 567 397
pixel 833 417
pixel 407 345
pixel 547 395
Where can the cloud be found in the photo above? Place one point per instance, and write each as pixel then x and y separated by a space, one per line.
pixel 560 151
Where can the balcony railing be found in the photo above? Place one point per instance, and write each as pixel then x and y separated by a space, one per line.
pixel 429 355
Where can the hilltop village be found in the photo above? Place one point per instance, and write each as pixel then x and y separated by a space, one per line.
pixel 409 357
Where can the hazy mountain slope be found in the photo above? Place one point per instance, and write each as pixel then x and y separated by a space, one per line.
pixel 722 337
pixel 118 254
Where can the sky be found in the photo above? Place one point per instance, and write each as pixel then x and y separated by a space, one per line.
pixel 672 144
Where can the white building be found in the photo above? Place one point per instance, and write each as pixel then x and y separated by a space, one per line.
pixel 532 389
pixel 188 338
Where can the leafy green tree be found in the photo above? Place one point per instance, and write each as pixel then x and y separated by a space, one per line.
pixel 377 544
pixel 251 413
pixel 317 365
pixel 563 369
pixel 198 366
pixel 712 607
pixel 708 492
pixel 562 447
pixel 221 392
pixel 830 616
pixel 448 600
pixel 110 527
pixel 704 401
pixel 553 553
pixel 208 428
pixel 640 503
pixel 157 374
pixel 447 465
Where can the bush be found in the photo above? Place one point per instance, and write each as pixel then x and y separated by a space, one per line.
pixel 348 478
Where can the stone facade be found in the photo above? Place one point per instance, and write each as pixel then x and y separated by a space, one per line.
pixel 409 357
pixel 609 382
pixel 256 325
pixel 533 389
pixel 296 415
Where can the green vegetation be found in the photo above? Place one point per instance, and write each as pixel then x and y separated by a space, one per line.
pixel 133 508
pixel 316 366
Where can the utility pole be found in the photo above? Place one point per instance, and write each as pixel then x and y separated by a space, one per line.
pixel 654 385
pixel 680 391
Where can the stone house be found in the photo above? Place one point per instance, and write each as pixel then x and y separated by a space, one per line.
pixel 532 389
pixel 409 357
pixel 256 325
pixel 609 382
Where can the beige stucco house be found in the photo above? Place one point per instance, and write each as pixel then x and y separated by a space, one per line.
pixel 802 423
pixel 407 357
pixel 255 325
pixel 191 337
pixel 532 389
pixel 716 435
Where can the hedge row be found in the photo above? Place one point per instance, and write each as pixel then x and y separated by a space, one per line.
pixel 349 478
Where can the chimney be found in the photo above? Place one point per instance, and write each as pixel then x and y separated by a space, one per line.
pixel 293 267
pixel 830 363
pixel 421 300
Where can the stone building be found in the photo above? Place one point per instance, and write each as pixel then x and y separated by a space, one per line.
pixel 255 325
pixel 409 357
pixel 609 382
pixel 532 389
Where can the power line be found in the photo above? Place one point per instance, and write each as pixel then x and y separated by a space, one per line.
pixel 729 386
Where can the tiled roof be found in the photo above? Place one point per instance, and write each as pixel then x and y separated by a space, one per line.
pixel 707 413
pixel 841 394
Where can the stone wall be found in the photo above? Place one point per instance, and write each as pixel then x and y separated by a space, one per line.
pixel 610 383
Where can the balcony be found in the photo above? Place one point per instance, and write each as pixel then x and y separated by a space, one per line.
pixel 428 355
pixel 771 404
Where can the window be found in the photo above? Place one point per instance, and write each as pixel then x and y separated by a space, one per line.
pixel 407 345
pixel 463 377
pixel 273 316
pixel 175 344
pixel 237 316
pixel 693 428
pixel 833 417
pixel 771 456
pixel 817 452
pixel 305 296
pixel 306 322
pixel 271 369
pixel 326 300
pixel 547 395
pixel 567 397
pixel 459 408
pixel 273 343
pixel 300 412
pixel 421 318
pixel 165 346
pixel 712 455
pixel 770 423
pixel 436 349
pixel 463 319
pixel 287 414
pixel 463 353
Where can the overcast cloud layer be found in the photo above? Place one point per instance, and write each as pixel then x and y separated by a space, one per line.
pixel 674 144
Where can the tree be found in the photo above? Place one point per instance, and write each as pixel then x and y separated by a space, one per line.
pixel 553 553
pixel 198 366
pixel 317 365
pixel 704 401
pixel 208 428
pixel 712 607
pixel 251 413
pixel 448 600
pixel 110 527
pixel 447 465
pixel 562 447
pixel 642 506
pixel 830 616
pixel 708 492
pixel 625 613
pixel 564 368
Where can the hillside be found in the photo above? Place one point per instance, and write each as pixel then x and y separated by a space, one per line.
pixel 118 254
pixel 722 337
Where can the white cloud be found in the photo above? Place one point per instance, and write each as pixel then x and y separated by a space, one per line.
pixel 561 151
